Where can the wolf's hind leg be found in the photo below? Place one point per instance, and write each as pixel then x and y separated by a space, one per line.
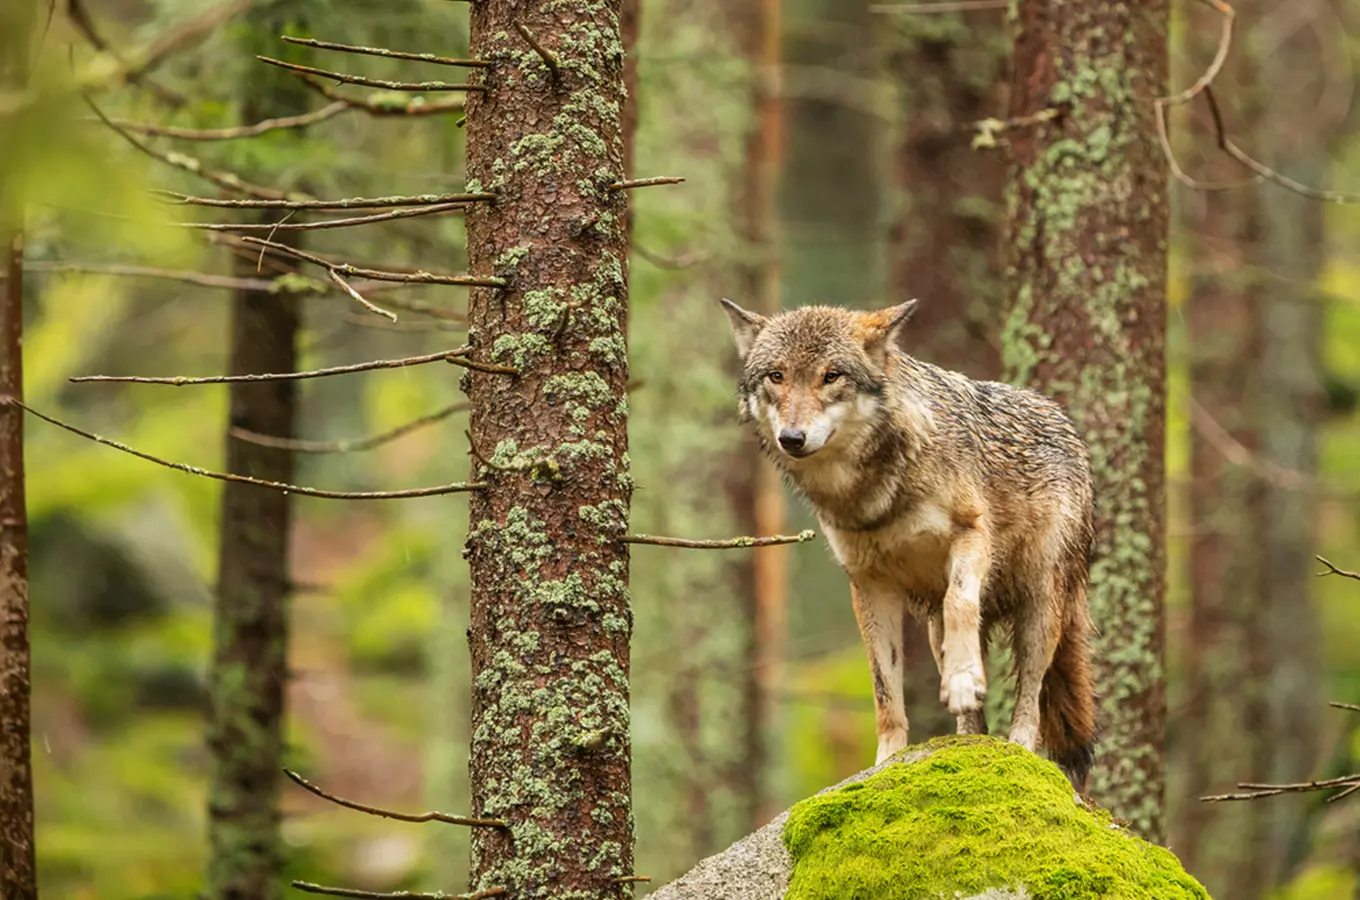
pixel 879 615
pixel 974 722
pixel 963 682
pixel 1038 625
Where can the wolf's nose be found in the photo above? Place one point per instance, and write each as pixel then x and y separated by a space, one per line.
pixel 792 439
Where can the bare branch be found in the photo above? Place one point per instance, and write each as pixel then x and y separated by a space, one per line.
pixel 457 357
pixel 1236 453
pixel 346 203
pixel 644 182
pixel 410 213
pixel 1257 791
pixel 188 164
pixel 1350 706
pixel 1333 570
pixel 389 54
pixel 311 888
pixel 84 23
pixel 1263 171
pixel 988 129
pixel 201 279
pixel 328 111
pixel 343 78
pixel 628 879
pixel 358 297
pixel 389 814
pixel 945 6
pixel 354 445
pixel 377 274
pixel 543 53
pixel 384 105
pixel 729 544
pixel 459 487
pixel 185 35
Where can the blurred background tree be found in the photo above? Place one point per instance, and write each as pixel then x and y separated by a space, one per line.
pixel 879 196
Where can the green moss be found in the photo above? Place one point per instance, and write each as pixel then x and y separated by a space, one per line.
pixel 977 813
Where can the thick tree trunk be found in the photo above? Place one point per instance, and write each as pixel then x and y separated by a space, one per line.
pixel 1086 261
pixel 250 623
pixel 945 244
pixel 759 497
pixel 551 619
pixel 18 869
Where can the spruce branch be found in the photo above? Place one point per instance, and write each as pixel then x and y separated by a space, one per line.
pixel 328 111
pixel 389 54
pixel 457 357
pixel 344 203
pixel 352 445
pixel 738 543
pixel 458 487
pixel 544 54
pixel 644 182
pixel 364 81
pixel 377 274
pixel 271 227
pixel 431 816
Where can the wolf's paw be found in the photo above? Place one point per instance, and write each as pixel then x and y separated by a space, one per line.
pixel 964 688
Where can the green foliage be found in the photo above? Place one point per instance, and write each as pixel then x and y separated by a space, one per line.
pixel 977 813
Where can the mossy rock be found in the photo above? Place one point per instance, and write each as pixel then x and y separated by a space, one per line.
pixel 958 817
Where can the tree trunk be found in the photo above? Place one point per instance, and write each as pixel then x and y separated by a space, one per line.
pixel 18 869
pixel 945 244
pixel 551 619
pixel 759 496
pixel 250 622
pixel 1222 729
pixel 1086 261
pixel 1294 139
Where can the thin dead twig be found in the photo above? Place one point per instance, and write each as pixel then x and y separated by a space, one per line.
pixel 383 106
pixel 544 54
pixel 271 227
pixel 312 888
pixel 377 274
pixel 458 487
pixel 344 78
pixel 644 182
pixel 189 164
pixel 431 816
pixel 328 111
pixel 345 203
pixel 201 279
pixel 738 543
pixel 1236 453
pixel 354 445
pixel 457 357
pixel 945 6
pixel 359 298
pixel 1333 570
pixel 389 54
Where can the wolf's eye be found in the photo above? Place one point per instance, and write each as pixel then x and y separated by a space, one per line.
pixel 776 377
pixel 831 377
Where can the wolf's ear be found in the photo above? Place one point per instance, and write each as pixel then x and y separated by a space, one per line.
pixel 884 328
pixel 745 326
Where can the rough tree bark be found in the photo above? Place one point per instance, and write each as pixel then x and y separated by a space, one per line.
pixel 18 868
pixel 551 619
pixel 250 621
pixel 945 243
pixel 758 495
pixel 1086 265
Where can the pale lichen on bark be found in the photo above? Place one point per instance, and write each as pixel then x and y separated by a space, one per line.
pixel 550 617
pixel 1086 271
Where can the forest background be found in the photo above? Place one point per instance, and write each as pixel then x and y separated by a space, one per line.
pixel 890 185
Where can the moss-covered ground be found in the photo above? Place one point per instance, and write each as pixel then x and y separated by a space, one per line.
pixel 977 813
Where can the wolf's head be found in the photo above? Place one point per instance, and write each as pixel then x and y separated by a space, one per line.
pixel 813 377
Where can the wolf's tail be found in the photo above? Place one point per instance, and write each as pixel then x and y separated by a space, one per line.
pixel 1067 701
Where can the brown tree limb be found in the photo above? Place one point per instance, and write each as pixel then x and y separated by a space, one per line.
pixel 644 182
pixel 201 279
pixel 311 888
pixel 343 78
pixel 945 6
pixel 431 816
pixel 352 445
pixel 345 203
pixel 738 543
pixel 378 274
pixel 1333 570
pixel 328 111
pixel 358 297
pixel 383 106
pixel 544 54
pixel 388 54
pixel 457 487
pixel 271 227
pixel 456 357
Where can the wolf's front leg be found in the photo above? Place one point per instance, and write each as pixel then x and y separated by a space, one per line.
pixel 963 682
pixel 879 614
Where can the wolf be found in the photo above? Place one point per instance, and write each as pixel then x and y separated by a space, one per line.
pixel 967 504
